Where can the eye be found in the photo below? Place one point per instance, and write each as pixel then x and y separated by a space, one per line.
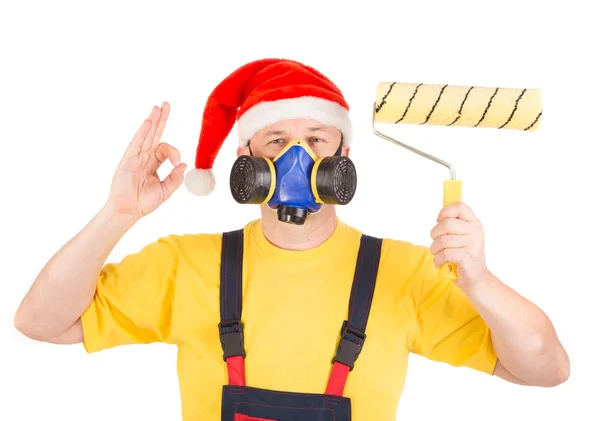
pixel 316 139
pixel 276 141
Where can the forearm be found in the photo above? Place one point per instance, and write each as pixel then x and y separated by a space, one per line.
pixel 523 336
pixel 66 285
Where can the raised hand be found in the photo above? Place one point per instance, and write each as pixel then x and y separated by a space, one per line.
pixel 136 189
pixel 458 238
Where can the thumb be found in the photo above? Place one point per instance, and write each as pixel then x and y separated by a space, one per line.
pixel 173 180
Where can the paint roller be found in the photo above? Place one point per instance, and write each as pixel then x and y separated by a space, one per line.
pixel 455 106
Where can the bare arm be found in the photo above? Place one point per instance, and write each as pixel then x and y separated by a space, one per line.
pixel 528 349
pixel 65 287
pixel 524 338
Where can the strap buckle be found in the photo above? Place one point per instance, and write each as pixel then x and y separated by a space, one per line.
pixel 232 342
pixel 348 350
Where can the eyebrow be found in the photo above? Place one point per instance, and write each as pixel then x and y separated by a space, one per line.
pixel 283 132
pixel 275 133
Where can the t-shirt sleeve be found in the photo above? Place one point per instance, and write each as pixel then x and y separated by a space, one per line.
pixel 449 328
pixel 133 303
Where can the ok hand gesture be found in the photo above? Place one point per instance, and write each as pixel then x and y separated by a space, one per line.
pixel 136 189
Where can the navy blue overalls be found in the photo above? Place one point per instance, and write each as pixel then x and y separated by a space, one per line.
pixel 244 403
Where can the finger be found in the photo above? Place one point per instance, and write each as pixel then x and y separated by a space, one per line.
pixel 138 138
pixel 448 241
pixel 457 210
pixel 164 151
pixel 164 115
pixel 452 227
pixel 154 117
pixel 173 180
pixel 456 256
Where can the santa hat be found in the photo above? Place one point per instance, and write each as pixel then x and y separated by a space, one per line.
pixel 257 95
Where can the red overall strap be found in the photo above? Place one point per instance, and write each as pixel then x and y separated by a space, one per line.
pixel 236 371
pixel 337 379
pixel 230 329
pixel 353 330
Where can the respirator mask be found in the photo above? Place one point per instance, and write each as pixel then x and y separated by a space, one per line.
pixel 296 183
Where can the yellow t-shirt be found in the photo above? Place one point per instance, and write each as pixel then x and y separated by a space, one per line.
pixel 294 303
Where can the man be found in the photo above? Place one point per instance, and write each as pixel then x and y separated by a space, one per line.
pixel 297 277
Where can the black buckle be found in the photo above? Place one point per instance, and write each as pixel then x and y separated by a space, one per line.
pixel 348 351
pixel 361 335
pixel 232 342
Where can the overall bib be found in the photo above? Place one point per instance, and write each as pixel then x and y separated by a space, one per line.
pixel 245 403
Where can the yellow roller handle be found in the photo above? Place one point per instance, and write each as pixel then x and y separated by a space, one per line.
pixel 452 194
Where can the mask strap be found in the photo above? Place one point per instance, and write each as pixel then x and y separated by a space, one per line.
pixel 339 149
pixel 250 148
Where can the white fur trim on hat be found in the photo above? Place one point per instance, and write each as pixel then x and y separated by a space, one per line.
pixel 264 114
pixel 200 182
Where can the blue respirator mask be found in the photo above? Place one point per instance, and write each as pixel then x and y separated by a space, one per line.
pixel 295 183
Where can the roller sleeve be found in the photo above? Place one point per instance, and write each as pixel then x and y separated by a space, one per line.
pixel 458 106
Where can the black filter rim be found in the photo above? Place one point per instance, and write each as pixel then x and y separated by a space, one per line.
pixel 336 180
pixel 250 179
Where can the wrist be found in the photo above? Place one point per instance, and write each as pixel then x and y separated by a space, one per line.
pixel 486 282
pixel 114 220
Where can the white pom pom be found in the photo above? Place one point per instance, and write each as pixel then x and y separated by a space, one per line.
pixel 200 182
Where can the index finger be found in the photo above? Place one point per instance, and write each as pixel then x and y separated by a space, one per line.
pixel 164 151
pixel 457 210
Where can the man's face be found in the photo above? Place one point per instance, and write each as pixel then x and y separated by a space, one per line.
pixel 323 140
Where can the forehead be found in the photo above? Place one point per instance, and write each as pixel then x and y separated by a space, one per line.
pixel 295 126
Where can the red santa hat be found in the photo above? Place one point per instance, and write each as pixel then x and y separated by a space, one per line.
pixel 257 95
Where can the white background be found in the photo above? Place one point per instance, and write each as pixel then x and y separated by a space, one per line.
pixel 78 78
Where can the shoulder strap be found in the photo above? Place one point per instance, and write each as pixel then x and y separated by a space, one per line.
pixel 232 251
pixel 353 330
pixel 363 286
pixel 230 328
